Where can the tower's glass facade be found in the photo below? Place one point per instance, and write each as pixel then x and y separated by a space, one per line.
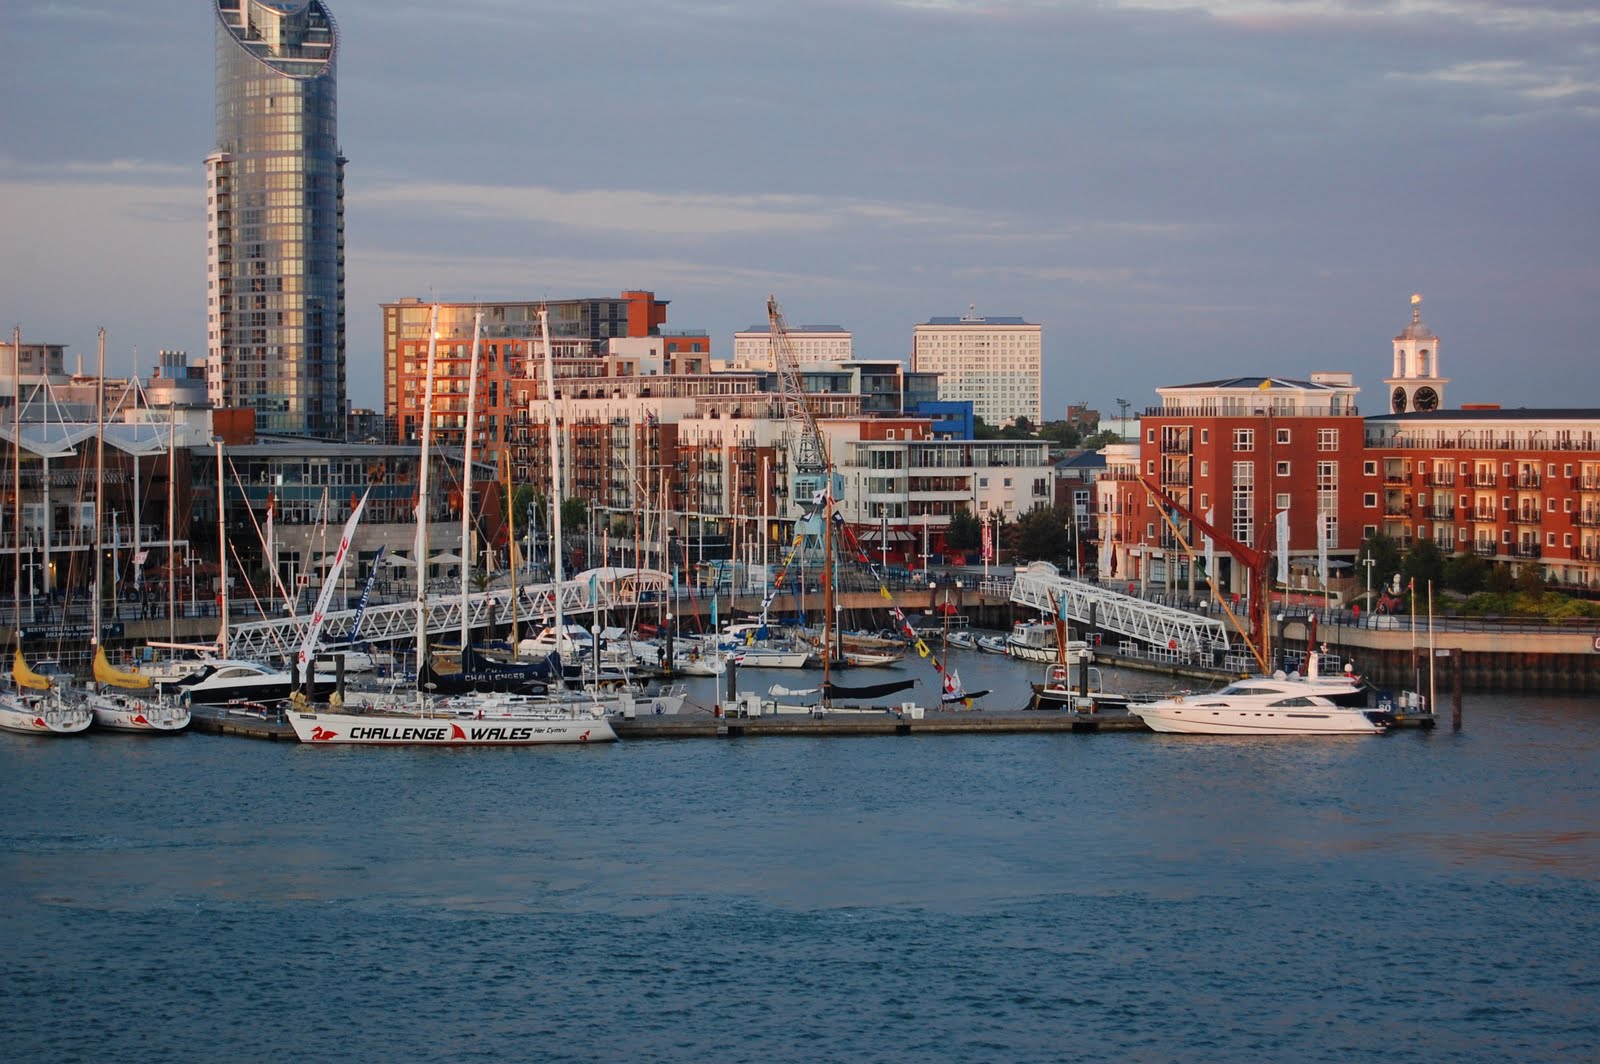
pixel 275 187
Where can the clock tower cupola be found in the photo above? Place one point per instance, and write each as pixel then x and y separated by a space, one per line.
pixel 1416 384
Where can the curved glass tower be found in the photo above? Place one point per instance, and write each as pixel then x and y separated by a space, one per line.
pixel 275 195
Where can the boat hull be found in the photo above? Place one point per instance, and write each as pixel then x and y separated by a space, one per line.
pixel 1192 719
pixel 43 716
pixel 364 729
pixel 139 715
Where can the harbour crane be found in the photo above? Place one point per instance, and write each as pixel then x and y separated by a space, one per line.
pixel 1254 561
pixel 805 438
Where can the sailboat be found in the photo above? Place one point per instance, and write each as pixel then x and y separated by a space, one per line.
pixel 119 710
pixel 35 706
pixel 482 720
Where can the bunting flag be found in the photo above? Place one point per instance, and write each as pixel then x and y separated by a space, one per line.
pixel 1283 546
pixel 988 542
pixel 922 649
pixel 361 605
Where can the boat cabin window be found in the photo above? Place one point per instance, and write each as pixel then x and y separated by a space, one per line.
pixel 1298 700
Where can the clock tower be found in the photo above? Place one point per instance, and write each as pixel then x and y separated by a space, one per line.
pixel 1416 384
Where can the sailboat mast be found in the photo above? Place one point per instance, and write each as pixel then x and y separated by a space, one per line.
pixel 16 478
pixel 420 551
pixel 466 479
pixel 172 466
pixel 100 487
pixel 555 470
pixel 511 549
pixel 827 592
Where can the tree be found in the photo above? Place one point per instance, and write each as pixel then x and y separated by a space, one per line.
pixel 1385 555
pixel 1063 433
pixel 964 532
pixel 1465 573
pixel 574 515
pixel 982 430
pixel 1101 439
pixel 523 498
pixel 1042 535
pixel 1020 429
pixel 1423 564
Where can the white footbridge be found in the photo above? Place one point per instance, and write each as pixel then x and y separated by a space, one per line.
pixel 395 624
pixel 1042 587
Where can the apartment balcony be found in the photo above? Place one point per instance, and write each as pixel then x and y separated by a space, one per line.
pixel 1440 480
pixel 1527 517
pixel 1182 446
pixel 1484 550
pixel 1483 516
pixel 1396 509
pixel 1586 518
pixel 1585 553
pixel 1177 478
pixel 1526 550
pixel 1396 478
pixel 1485 480
pixel 1526 481
pixel 1582 483
pixel 1442 513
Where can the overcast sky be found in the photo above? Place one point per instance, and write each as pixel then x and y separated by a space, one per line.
pixel 1176 191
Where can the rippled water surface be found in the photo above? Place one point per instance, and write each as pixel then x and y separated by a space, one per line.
pixel 1014 898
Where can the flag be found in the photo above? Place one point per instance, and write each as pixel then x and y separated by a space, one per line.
pixel 1063 608
pixel 1283 546
pixel 329 583
pixel 361 605
pixel 713 611
pixel 1322 548
pixel 1211 545
pixel 988 542
pixel 1264 385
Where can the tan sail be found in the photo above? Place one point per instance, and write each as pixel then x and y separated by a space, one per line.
pixel 110 675
pixel 25 676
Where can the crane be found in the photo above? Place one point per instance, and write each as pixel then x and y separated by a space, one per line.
pixel 1254 561
pixel 810 450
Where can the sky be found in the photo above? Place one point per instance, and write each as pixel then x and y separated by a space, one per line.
pixel 1175 191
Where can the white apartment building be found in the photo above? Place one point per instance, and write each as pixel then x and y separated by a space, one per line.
pixel 996 362
pixel 752 348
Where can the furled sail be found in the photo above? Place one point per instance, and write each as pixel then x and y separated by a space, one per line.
pixel 111 676
pixel 25 676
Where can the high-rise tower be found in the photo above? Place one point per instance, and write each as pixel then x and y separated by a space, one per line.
pixel 275 214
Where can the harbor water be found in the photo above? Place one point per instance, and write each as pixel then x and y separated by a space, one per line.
pixel 1418 896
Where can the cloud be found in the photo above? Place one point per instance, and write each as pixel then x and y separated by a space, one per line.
pixel 1515 76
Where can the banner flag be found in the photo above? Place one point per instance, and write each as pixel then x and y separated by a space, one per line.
pixel 1283 546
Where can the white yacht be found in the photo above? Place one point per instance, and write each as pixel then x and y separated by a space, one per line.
pixel 1259 705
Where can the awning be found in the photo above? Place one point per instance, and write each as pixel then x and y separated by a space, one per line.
pixel 876 535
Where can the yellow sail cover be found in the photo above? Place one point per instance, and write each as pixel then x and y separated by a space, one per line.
pixel 25 676
pixel 110 675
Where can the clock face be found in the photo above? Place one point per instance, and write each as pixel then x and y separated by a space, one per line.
pixel 1399 402
pixel 1426 399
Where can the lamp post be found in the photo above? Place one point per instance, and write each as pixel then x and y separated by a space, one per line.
pixel 1368 562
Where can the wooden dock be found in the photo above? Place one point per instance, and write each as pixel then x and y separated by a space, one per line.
pixel 701 725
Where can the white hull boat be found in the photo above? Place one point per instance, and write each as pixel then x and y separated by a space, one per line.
pixel 127 713
pixel 456 725
pixel 1258 706
pixel 992 644
pixel 43 713
pixel 964 640
pixel 771 658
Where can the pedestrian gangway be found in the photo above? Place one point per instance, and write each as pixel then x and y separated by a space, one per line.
pixel 1042 587
pixel 395 624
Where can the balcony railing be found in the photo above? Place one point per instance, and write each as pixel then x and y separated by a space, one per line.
pixel 1582 483
pixel 1396 509
pixel 1526 550
pixel 1586 518
pixel 1485 480
pixel 1525 481
pixel 1442 513
pixel 1484 550
pixel 1440 480
pixel 1527 517
pixel 1483 515
pixel 1396 478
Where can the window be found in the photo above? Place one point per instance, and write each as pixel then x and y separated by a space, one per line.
pixel 1567 540
pixel 1150 531
pixel 1150 437
pixel 1205 502
pixel 1244 440
pixel 1369 469
pixel 1205 437
pixel 1327 439
pixel 1283 435
pixel 1281 500
pixel 1370 500
pixel 1550 539
pixel 1283 469
pixel 1368 531
pixel 1150 467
